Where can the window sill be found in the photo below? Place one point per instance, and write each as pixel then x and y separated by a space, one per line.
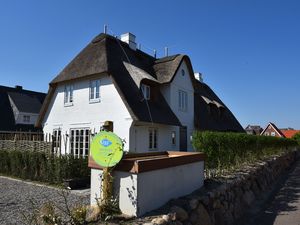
pixel 92 101
pixel 152 149
pixel 68 104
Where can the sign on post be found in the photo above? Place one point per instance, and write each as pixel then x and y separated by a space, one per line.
pixel 106 149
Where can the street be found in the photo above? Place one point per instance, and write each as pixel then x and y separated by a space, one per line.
pixel 283 207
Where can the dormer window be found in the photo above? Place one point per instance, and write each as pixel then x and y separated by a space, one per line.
pixel 146 91
pixel 26 119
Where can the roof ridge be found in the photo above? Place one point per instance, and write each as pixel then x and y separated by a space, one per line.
pixel 10 89
pixel 167 58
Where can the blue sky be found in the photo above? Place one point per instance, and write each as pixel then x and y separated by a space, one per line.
pixel 248 51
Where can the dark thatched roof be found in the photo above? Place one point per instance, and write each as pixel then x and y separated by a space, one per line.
pixel 7 119
pixel 25 103
pixel 211 113
pixel 128 68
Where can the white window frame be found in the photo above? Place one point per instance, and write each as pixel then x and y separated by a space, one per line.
pixel 182 100
pixel 146 91
pixel 68 95
pixel 26 119
pixel 94 94
pixel 56 139
pixel 152 139
pixel 80 141
pixel 173 137
pixel 273 133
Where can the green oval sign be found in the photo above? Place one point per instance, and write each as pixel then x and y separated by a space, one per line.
pixel 106 149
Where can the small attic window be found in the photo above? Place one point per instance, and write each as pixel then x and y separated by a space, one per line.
pixel 146 91
pixel 182 72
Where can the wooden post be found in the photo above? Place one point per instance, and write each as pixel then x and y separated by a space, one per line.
pixel 107 180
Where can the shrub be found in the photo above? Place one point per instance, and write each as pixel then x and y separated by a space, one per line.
pixel 225 151
pixel 296 137
pixel 40 166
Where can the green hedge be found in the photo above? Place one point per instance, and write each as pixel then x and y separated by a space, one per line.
pixel 228 150
pixel 40 166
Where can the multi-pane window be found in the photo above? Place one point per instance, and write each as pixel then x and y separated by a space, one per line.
pixel 80 141
pixel 68 99
pixel 94 90
pixel 152 139
pixel 272 133
pixel 182 100
pixel 56 140
pixel 146 91
pixel 26 119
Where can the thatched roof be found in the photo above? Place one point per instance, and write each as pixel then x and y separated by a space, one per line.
pixel 211 113
pixel 27 101
pixel 128 68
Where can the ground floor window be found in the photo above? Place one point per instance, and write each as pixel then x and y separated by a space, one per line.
pixel 173 137
pixel 80 141
pixel 152 139
pixel 56 140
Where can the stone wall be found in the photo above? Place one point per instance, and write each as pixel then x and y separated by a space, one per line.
pixel 223 201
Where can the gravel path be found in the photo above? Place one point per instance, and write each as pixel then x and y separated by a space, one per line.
pixel 16 197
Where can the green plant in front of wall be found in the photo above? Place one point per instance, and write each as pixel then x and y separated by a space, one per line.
pixel 40 166
pixel 226 151
pixel 296 137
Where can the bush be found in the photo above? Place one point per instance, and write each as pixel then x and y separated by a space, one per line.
pixel 40 166
pixel 225 151
pixel 296 137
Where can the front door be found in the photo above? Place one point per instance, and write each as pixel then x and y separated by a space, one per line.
pixel 183 139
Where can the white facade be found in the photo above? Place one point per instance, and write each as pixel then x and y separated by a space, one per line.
pixel 141 193
pixel 83 113
pixel 139 137
pixel 182 82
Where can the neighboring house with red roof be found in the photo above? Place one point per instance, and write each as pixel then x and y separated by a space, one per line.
pixel 289 133
pixel 272 130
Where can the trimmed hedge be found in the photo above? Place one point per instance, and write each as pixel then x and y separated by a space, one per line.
pixel 40 166
pixel 226 150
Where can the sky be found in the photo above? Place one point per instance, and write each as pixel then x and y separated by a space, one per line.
pixel 248 51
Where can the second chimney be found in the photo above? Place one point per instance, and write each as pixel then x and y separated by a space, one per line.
pixel 129 38
pixel 199 77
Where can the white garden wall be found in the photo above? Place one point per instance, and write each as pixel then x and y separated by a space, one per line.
pixel 142 192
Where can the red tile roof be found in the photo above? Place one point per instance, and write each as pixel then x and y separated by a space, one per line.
pixel 289 133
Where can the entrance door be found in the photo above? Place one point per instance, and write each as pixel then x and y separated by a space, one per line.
pixel 183 139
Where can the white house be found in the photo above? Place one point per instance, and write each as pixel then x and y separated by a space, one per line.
pixel 155 104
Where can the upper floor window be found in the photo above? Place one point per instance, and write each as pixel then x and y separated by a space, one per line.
pixel 182 72
pixel 182 100
pixel 68 100
pixel 146 91
pixel 95 91
pixel 26 119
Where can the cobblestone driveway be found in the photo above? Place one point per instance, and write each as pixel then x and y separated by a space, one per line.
pixel 16 197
